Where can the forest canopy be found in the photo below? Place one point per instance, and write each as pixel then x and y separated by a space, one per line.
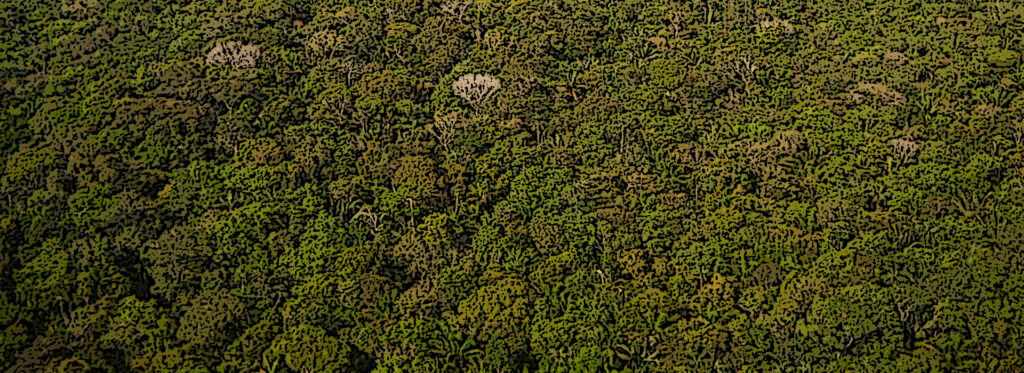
pixel 511 186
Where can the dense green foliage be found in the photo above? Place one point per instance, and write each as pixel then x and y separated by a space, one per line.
pixel 656 186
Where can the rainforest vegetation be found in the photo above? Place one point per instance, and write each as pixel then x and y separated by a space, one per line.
pixel 511 186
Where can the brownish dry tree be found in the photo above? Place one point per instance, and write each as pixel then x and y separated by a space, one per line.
pixel 904 149
pixel 476 88
pixel 443 128
pixel 782 25
pixel 237 54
